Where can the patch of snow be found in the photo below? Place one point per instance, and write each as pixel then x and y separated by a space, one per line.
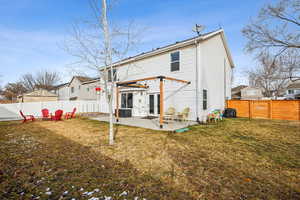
pixel 81 189
pixel 48 193
pixel 48 189
pixel 96 190
pixel 94 198
pixel 107 198
pixel 66 192
pixel 123 193
pixel 90 193
pixel 136 198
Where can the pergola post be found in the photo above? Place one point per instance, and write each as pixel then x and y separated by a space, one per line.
pixel 117 102
pixel 161 102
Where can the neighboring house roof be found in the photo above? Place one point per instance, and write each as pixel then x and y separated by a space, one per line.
pixel 61 85
pixel 91 81
pixel 294 85
pixel 82 79
pixel 177 45
pixel 40 93
pixel 238 89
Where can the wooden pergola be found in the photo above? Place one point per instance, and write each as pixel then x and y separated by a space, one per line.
pixel 136 84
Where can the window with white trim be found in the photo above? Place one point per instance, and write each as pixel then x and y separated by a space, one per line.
pixel 175 61
pixel 126 100
pixel 114 75
pixel 204 99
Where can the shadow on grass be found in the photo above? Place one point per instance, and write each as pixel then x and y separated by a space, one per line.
pixel 33 159
pixel 218 178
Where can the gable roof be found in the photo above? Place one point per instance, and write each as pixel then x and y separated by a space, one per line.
pixel 295 85
pixel 238 88
pixel 91 81
pixel 61 85
pixel 82 79
pixel 177 45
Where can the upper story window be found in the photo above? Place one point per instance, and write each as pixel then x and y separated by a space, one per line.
pixel 290 91
pixel 78 87
pixel 88 89
pixel 175 61
pixel 114 75
pixel 72 89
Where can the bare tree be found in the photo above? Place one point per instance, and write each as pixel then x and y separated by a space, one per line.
pixel 43 79
pixel 275 29
pixel 97 44
pixel 13 90
pixel 273 75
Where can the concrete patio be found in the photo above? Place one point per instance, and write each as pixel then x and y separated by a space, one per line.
pixel 149 123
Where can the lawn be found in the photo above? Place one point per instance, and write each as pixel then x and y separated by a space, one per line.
pixel 234 159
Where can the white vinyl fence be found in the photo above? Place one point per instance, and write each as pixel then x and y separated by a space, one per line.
pixel 11 111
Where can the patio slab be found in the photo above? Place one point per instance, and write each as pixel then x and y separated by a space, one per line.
pixel 148 123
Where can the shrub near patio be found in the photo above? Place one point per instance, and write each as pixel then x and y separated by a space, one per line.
pixel 233 159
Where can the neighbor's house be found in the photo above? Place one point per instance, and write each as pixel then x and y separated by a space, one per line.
pixel 244 92
pixel 79 88
pixel 293 90
pixel 38 95
pixel 236 92
pixel 204 62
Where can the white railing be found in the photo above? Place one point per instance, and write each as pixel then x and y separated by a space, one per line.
pixel 34 108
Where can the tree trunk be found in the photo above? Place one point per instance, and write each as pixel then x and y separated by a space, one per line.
pixel 111 123
pixel 108 62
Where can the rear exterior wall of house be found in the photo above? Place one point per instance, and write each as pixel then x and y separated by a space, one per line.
pixel 214 76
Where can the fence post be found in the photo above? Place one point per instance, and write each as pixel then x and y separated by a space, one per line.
pixel 250 109
pixel 270 109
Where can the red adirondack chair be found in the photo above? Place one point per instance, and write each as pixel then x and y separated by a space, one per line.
pixel 57 116
pixel 46 114
pixel 70 115
pixel 27 117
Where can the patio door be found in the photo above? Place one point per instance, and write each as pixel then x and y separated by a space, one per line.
pixel 154 104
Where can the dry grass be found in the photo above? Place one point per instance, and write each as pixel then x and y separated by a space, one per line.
pixel 235 159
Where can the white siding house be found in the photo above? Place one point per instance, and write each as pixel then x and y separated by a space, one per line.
pixel 204 61
pixel 79 88
pixel 63 92
pixel 293 90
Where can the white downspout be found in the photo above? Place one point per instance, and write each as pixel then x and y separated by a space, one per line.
pixel 197 83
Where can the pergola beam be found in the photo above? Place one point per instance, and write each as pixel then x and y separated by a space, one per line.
pixel 133 84
pixel 178 80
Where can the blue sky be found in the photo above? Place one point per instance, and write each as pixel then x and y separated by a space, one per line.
pixel 32 31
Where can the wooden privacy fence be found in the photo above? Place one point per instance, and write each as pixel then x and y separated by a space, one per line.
pixel 266 109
